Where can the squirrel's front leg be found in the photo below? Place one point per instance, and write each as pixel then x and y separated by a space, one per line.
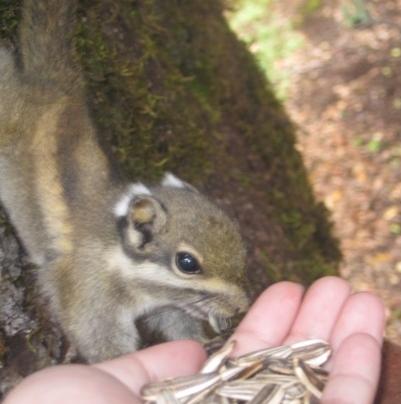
pixel 100 339
pixel 95 321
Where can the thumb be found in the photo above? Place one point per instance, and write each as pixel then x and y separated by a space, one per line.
pixel 172 359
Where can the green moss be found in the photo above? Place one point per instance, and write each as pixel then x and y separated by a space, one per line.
pixel 9 18
pixel 273 271
pixel 156 97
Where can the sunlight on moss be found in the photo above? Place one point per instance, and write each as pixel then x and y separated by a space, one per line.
pixel 269 36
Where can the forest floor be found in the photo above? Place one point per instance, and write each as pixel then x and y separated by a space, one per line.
pixel 345 97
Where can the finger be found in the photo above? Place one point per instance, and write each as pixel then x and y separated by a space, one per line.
pixel 172 359
pixel 355 371
pixel 362 313
pixel 269 319
pixel 320 309
pixel 65 384
pixel 356 341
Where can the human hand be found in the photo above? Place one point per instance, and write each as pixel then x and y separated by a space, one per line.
pixel 352 323
pixel 117 381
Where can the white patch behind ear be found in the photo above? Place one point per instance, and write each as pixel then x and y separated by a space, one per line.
pixel 121 207
pixel 170 180
pixel 139 189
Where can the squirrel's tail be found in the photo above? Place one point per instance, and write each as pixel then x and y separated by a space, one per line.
pixel 46 40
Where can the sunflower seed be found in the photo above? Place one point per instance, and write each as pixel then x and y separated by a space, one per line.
pixel 281 367
pixel 269 394
pixel 217 359
pixel 289 374
pixel 314 352
pixel 181 386
pixel 253 357
pixel 308 378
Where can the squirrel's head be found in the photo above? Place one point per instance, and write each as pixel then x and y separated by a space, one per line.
pixel 183 249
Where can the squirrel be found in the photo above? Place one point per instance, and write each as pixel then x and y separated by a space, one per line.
pixel 108 250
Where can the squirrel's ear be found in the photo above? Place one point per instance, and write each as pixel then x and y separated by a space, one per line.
pixel 122 206
pixel 139 217
pixel 148 213
pixel 170 180
pixel 146 217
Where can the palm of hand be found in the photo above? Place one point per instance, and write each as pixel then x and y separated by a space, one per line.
pixel 352 323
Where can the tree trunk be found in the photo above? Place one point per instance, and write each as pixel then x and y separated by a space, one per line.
pixel 172 89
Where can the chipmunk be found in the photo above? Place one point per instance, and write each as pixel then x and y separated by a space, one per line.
pixel 108 251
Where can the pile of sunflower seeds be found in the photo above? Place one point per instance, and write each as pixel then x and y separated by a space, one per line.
pixel 288 374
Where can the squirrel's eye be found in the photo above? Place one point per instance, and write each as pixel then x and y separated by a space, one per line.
pixel 187 263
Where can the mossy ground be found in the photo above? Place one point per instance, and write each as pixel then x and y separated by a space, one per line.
pixel 172 88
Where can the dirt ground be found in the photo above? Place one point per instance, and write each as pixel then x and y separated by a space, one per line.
pixel 345 96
